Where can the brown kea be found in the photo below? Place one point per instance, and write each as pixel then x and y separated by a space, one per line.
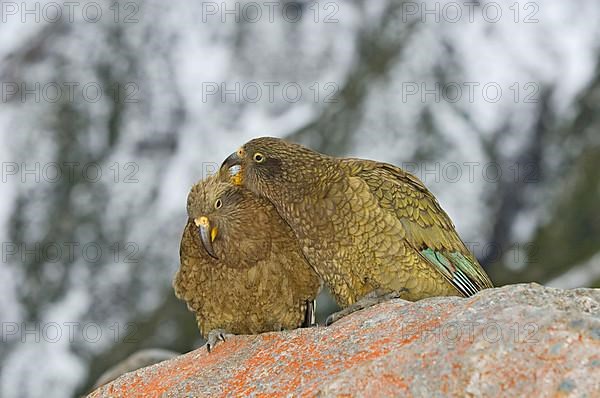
pixel 370 229
pixel 242 271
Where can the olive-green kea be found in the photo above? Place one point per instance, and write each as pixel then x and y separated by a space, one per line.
pixel 368 228
pixel 242 270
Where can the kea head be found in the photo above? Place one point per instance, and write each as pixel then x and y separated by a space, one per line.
pixel 229 221
pixel 271 166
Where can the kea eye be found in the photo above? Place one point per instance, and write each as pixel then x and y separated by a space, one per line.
pixel 259 157
pixel 218 204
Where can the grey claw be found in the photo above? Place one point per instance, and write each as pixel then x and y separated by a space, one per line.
pixel 214 336
pixel 336 316
pixel 330 319
pixel 369 300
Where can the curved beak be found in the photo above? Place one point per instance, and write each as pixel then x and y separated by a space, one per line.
pixel 232 167
pixel 232 160
pixel 207 235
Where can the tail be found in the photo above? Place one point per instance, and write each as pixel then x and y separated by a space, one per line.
pixel 463 272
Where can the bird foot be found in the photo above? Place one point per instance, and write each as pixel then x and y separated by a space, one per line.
pixel 370 299
pixel 213 338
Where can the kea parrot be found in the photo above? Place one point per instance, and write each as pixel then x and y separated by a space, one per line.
pixel 242 270
pixel 370 229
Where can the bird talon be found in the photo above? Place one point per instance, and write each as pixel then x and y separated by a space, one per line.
pixel 336 316
pixel 214 336
pixel 370 299
pixel 331 319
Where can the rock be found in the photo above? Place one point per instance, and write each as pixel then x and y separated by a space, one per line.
pixel 135 361
pixel 519 340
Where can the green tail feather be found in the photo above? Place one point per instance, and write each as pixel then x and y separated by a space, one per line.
pixel 465 274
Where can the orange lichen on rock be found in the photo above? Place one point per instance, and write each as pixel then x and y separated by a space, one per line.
pixel 522 340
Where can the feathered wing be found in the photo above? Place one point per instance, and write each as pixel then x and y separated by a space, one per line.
pixel 429 230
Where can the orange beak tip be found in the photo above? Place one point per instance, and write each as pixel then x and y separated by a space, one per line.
pixel 235 175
